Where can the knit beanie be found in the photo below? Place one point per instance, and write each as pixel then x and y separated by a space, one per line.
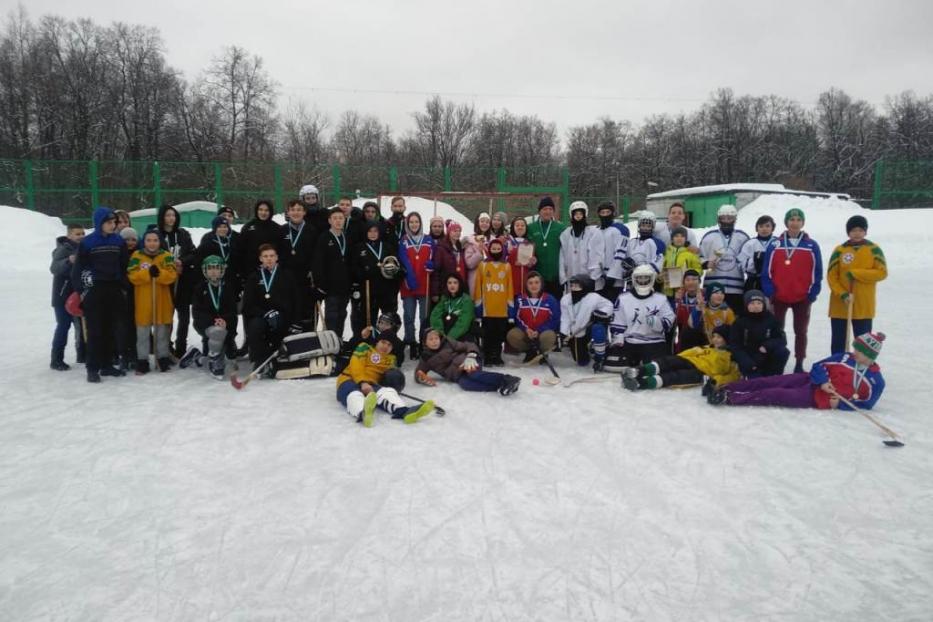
pixel 723 331
pixel 679 231
pixel 752 295
pixel 869 344
pixel 129 233
pixel 856 221
pixel 794 212
pixel 545 202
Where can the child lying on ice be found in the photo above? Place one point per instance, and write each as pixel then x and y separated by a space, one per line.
pixel 457 361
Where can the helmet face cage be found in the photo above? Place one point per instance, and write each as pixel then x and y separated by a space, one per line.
pixel 643 280
pixel 215 262
pixel 385 322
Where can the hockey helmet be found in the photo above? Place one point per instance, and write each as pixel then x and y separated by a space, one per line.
pixel 643 277
pixel 390 267
pixel 646 220
pixel 213 261
pixel 394 379
pixel 727 213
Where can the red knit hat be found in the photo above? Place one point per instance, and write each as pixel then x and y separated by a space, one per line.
pixel 869 344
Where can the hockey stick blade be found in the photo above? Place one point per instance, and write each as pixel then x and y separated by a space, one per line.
pixel 894 441
pixel 437 409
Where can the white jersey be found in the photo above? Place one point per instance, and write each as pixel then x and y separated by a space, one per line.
pixel 576 318
pixel 612 237
pixel 728 271
pixel 637 252
pixel 749 249
pixel 581 255
pixel 662 231
pixel 641 320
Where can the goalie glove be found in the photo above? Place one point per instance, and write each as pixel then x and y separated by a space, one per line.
pixel 423 378
pixel 470 364
pixel 87 279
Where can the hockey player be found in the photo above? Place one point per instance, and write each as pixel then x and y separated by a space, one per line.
pixel 688 299
pixel 678 257
pixel 537 319
pixel 855 376
pixel 359 390
pixel 457 361
pixel 386 326
pixel 215 313
pixel 613 233
pixel 223 242
pixel 455 311
pixel 687 368
pixel 315 213
pixel 152 272
pixel 581 248
pixel 584 321
pixel 375 267
pixel 719 252
pixel 268 306
pixel 855 268
pixel 296 253
pixel 261 229
pixel 756 339
pixel 63 259
pixel 641 320
pixel 752 254
pixel 643 249
pixel 494 297
pixel 545 234
pixel 352 221
pixel 331 270
pixel 791 278
pixel 97 275
pixel 177 241
pixel 416 254
pixel 711 311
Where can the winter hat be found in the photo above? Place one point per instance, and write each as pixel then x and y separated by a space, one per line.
pixel 609 205
pixel 216 222
pixel 712 288
pixel 869 344
pixel 679 231
pixel 723 331
pixel 434 219
pixel 452 225
pixel 483 215
pixel 752 295
pixel 128 233
pixel 308 189
pixel 223 209
pixel 545 202
pixel 794 212
pixel 856 221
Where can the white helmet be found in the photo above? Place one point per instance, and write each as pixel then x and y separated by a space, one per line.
pixel 580 205
pixel 647 217
pixel 643 279
pixel 308 189
pixel 728 211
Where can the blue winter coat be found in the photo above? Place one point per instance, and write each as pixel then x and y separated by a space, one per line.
pixel 103 257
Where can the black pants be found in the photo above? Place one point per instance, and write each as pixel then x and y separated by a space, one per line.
pixel 104 313
pixel 494 330
pixel 735 302
pixel 261 341
pixel 675 370
pixel 635 354
pixel 335 313
pixel 756 364
pixel 554 288
pixel 690 338
pixel 379 302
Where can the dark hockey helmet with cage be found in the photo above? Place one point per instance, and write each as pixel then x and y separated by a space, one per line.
pixel 388 322
pixel 394 379
pixel 390 267
pixel 213 261
pixel 584 281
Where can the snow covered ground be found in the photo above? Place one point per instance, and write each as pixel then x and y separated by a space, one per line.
pixel 173 497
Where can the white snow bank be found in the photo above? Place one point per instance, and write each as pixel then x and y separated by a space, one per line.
pixel 27 239
pixel 425 207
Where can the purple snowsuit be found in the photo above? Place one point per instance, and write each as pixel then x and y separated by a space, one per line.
pixel 792 391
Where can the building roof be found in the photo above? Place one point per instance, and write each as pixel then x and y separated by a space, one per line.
pixel 733 188
pixel 190 206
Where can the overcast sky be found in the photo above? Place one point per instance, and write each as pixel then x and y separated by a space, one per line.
pixel 568 62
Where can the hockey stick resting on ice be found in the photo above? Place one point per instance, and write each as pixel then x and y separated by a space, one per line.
pixel 440 411
pixel 894 440
pixel 240 384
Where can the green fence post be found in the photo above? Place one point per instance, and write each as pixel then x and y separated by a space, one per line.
pixel 92 175
pixel 279 187
pixel 500 179
pixel 565 194
pixel 30 188
pixel 448 179
pixel 393 179
pixel 626 203
pixel 218 184
pixel 335 176
pixel 876 193
pixel 156 184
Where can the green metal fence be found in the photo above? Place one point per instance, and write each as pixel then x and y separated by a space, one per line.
pixel 70 189
pixel 903 183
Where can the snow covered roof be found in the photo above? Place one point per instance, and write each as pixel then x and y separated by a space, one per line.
pixel 190 206
pixel 757 188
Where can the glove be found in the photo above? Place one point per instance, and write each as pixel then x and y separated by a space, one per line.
pixel 470 364
pixel 846 296
pixel 355 294
pixel 87 279
pixel 423 378
pixel 273 319
pixel 850 276
pixel 154 271
pixel 429 265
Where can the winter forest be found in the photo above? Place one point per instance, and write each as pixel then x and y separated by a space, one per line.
pixel 81 90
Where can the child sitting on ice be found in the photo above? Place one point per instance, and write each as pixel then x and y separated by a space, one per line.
pixel 215 318
pixel 457 362
pixel 854 376
pixel 688 299
pixel 757 340
pixel 584 321
pixel 687 368
pixel 641 322
pixel 364 384
pixel 152 271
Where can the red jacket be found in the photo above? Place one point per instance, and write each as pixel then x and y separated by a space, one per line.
pixel 416 256
pixel 519 273
pixel 791 275
pixel 839 369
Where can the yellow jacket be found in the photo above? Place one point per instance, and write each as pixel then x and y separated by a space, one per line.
pixel 138 273
pixel 366 365
pixel 680 258
pixel 866 265
pixel 711 318
pixel 493 293
pixel 715 363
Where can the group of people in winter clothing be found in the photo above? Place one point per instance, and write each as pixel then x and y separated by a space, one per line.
pixel 659 306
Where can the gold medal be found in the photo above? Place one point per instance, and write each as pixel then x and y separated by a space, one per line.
pixel 268 296
pixel 787 262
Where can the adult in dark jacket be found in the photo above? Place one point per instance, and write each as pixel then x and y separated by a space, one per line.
pixel 371 263
pixel 221 242
pixel 353 223
pixel 97 275
pixel 214 305
pixel 177 241
pixel 396 222
pixel 756 339
pixel 63 259
pixel 297 239
pixel 268 305
pixel 333 279
pixel 261 229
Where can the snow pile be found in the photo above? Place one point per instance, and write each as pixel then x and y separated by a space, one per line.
pixel 426 207
pixel 27 239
